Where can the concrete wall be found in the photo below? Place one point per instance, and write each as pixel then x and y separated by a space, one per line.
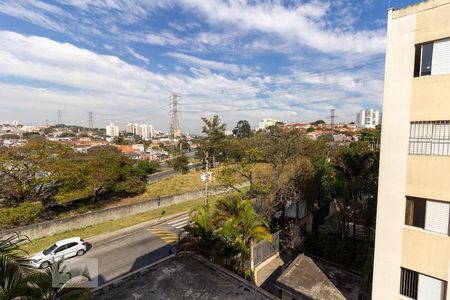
pixel 393 157
pixel 38 230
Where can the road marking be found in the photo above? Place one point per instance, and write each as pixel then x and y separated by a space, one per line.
pixel 184 222
pixel 179 220
pixel 167 236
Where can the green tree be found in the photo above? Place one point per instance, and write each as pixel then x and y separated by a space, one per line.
pixel 242 129
pixel 356 185
pixel 183 145
pixel 318 122
pixel 32 172
pixel 180 163
pixel 224 233
pixel 144 168
pixel 215 139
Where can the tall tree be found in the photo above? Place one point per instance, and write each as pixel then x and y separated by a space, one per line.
pixel 214 142
pixel 242 129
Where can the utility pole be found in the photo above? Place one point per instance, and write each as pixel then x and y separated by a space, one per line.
pixel 207 177
pixel 91 119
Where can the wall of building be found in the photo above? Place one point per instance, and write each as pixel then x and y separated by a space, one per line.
pixel 38 230
pixel 393 157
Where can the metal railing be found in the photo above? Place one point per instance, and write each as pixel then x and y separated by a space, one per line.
pixel 266 249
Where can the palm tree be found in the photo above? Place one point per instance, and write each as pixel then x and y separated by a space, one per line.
pixel 243 228
pixel 17 278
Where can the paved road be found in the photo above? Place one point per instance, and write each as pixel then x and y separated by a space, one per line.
pixel 160 175
pixel 119 253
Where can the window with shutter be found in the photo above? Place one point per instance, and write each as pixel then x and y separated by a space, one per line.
pixel 441 57
pixel 430 288
pixel 437 217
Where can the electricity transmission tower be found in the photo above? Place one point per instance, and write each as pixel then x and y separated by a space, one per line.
pixel 174 123
pixel 59 117
pixel 91 119
pixel 332 118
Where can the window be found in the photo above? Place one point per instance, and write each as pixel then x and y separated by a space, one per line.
pixel 409 283
pixel 432 58
pixel 415 212
pixel 427 214
pixel 61 248
pixel 429 138
pixel 421 287
pixel 71 245
pixel 437 217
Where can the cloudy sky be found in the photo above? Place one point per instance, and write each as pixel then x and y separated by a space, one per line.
pixel 240 59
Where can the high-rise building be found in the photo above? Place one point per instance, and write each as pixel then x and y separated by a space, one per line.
pixel 145 131
pixel 412 245
pixel 266 123
pixel 132 128
pixel 15 123
pixel 112 130
pixel 368 118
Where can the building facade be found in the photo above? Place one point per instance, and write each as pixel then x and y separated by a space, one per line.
pixel 266 123
pixel 112 130
pixel 368 118
pixel 412 244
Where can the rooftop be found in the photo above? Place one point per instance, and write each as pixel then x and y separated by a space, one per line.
pixel 317 279
pixel 418 7
pixel 185 276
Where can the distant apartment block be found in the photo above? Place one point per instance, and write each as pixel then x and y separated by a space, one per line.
pixel 112 130
pixel 145 131
pixel 368 118
pixel 266 123
pixel 412 246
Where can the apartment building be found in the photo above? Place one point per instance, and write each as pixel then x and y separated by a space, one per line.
pixel 412 245
pixel 112 130
pixel 368 118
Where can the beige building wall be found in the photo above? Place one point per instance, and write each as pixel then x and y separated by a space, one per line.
pixel 393 157
pixel 408 99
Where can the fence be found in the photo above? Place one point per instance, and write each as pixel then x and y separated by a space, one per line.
pixel 266 249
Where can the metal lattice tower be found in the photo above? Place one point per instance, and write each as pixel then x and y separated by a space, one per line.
pixel 91 119
pixel 59 117
pixel 332 118
pixel 174 124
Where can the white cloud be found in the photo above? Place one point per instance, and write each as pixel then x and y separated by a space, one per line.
pixel 137 55
pixel 210 64
pixel 303 24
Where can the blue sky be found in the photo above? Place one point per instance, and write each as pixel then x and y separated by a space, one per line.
pixel 254 59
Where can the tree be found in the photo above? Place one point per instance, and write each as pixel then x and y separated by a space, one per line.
pixel 32 172
pixel 215 138
pixel 224 233
pixel 356 186
pixel 183 145
pixel 144 168
pixel 318 122
pixel 180 163
pixel 242 129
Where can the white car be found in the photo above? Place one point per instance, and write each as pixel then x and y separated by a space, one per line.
pixel 62 249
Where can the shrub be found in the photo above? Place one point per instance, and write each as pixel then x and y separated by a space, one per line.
pixel 23 214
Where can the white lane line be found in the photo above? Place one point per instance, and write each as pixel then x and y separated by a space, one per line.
pixel 179 223
pixel 178 220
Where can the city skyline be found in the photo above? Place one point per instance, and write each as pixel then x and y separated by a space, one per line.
pixel 280 60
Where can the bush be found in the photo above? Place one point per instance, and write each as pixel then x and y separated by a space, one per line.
pixel 23 214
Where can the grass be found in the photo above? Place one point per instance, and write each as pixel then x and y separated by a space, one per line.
pixel 114 225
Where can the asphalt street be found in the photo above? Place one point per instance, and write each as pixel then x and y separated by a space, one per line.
pixel 122 252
